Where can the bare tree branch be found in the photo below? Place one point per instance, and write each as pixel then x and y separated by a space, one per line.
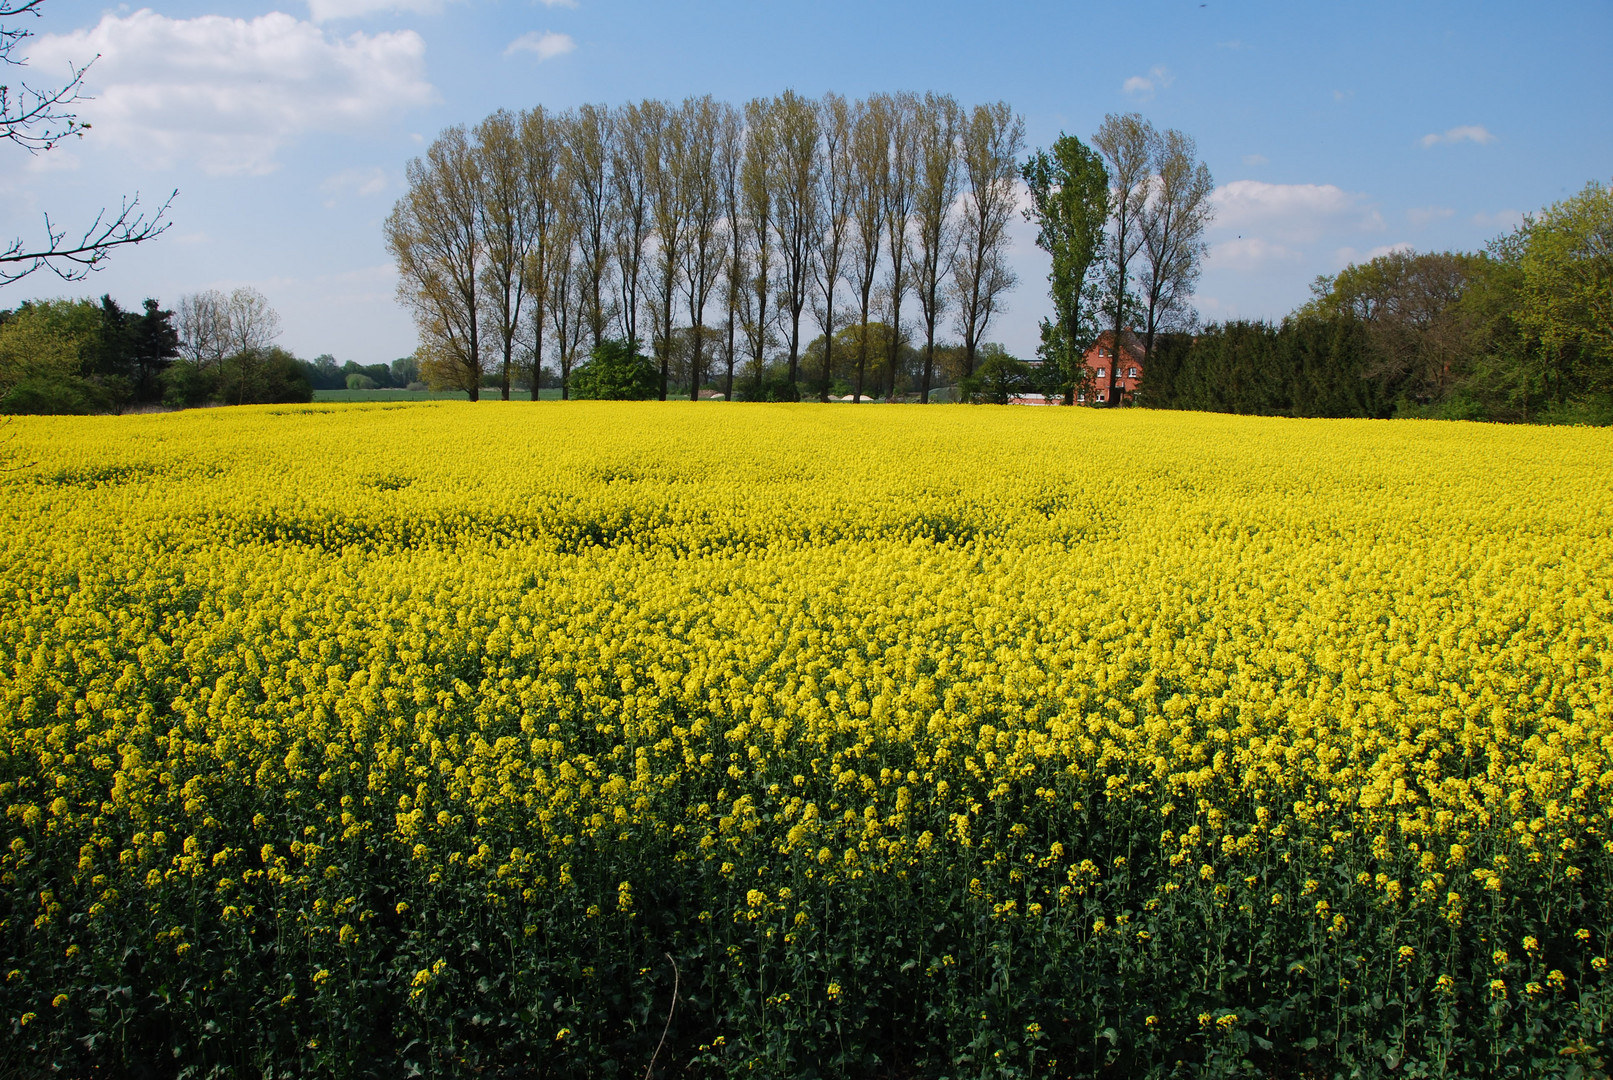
pixel 73 261
pixel 33 119
pixel 37 120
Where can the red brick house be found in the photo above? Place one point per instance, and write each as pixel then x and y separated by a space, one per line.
pixel 1101 361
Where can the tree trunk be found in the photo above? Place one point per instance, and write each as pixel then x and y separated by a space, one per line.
pixel 694 364
pixel 537 361
pixel 929 357
pixel 828 360
pixel 666 349
pixel 795 355
pixel 862 353
pixel 896 344
pixel 728 386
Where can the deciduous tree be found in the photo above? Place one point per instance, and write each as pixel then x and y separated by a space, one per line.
pixel 936 124
pixel 989 144
pixel 901 188
pixel 630 166
pixel 435 236
pixel 1417 330
pixel 588 178
pixel 798 135
pixel 870 176
pixel 665 156
pixel 1564 256
pixel 568 294
pixel 758 187
pixel 836 194
pixel 736 263
pixel 705 121
pixel 509 231
pixel 1127 143
pixel 542 165
pixel 1173 220
pixel 1069 203
pixel 202 319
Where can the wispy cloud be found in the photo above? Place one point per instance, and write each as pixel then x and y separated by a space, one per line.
pixel 326 10
pixel 1252 253
pixel 1344 256
pixel 360 181
pixel 545 46
pixel 1464 133
pixel 1292 213
pixel 1271 228
pixel 558 3
pixel 1422 215
pixel 1144 87
pixel 1501 219
pixel 229 92
pixel 1254 161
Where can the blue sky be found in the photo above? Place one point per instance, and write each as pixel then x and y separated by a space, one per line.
pixel 1333 131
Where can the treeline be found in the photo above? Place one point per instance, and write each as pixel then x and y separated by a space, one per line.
pixel 1522 331
pixel 719 241
pixel 80 357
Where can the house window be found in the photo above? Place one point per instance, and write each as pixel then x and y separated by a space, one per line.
pixel 1100 395
pixel 1081 398
pixel 1100 373
pixel 1131 373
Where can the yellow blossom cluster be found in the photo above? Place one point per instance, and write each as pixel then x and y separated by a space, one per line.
pixel 601 680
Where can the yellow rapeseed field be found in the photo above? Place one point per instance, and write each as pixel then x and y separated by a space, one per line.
pixel 953 742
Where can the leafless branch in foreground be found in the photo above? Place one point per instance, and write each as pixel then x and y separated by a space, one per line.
pixel 35 119
pixel 73 261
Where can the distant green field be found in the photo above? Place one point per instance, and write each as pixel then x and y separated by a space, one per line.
pixel 425 395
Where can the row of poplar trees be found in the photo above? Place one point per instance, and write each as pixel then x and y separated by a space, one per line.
pixel 710 230
pixel 1124 221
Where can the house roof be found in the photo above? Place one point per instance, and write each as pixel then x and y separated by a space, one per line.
pixel 1131 345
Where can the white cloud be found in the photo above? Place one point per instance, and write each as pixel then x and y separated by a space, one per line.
pixel 1344 256
pixel 558 3
pixel 1256 160
pixel 230 92
pixel 1501 219
pixel 325 10
pixel 360 181
pixel 1422 215
pixel 1291 213
pixel 545 46
pixel 1251 253
pixel 59 159
pixel 1343 95
pixel 1464 133
pixel 1143 87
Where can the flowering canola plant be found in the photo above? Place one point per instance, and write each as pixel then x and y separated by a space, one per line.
pixel 970 742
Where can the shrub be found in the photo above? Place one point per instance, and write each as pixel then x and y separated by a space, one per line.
pixel 63 396
pixel 186 385
pixel 614 372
